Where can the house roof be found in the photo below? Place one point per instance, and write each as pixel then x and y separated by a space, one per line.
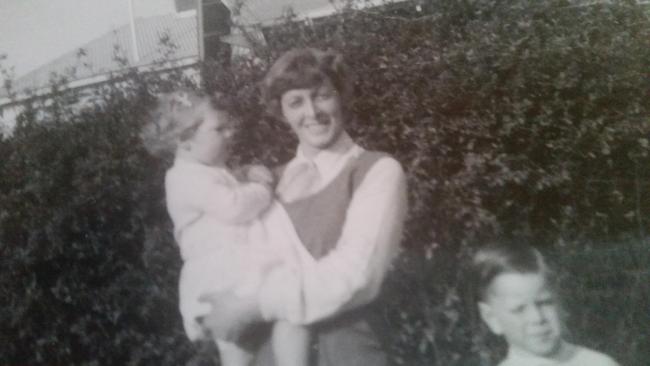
pixel 98 56
pixel 266 12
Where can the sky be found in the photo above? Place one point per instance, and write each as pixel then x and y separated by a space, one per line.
pixel 34 32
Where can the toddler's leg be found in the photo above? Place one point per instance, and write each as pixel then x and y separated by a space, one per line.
pixel 233 355
pixel 291 344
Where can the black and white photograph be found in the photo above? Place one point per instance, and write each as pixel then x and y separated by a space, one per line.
pixel 325 182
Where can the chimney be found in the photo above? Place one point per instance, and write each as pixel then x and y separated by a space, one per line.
pixel 214 22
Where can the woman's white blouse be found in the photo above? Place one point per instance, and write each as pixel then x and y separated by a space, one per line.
pixel 351 274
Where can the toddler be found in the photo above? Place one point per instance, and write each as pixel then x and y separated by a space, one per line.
pixel 517 300
pixel 227 225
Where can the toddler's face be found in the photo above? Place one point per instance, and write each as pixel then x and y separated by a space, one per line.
pixel 212 140
pixel 522 308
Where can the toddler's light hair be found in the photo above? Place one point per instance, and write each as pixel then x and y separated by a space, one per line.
pixel 174 119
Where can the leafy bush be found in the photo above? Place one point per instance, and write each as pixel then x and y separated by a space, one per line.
pixel 516 119
pixel 79 280
pixel 513 119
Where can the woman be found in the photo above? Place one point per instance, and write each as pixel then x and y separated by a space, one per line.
pixel 347 205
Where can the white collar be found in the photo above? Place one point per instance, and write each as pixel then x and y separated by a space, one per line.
pixel 331 159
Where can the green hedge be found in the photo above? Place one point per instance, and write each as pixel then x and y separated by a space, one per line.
pixel 515 119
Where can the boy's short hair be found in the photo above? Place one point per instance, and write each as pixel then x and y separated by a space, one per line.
pixel 175 118
pixel 493 260
pixel 305 68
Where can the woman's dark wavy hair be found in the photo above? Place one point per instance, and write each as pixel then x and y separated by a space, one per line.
pixel 306 68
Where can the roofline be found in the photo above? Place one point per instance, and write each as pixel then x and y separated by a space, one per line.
pixel 43 92
pixel 111 34
pixel 324 12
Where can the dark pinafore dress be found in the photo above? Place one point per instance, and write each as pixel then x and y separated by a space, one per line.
pixel 351 338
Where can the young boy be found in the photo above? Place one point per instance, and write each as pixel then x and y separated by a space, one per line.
pixel 517 300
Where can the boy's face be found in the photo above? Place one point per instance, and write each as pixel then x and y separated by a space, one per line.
pixel 210 144
pixel 522 308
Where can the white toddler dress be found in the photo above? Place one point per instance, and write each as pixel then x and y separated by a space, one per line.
pixel 230 235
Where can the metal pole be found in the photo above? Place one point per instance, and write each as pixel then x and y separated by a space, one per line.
pixel 199 28
pixel 134 40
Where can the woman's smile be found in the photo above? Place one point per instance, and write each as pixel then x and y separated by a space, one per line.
pixel 318 125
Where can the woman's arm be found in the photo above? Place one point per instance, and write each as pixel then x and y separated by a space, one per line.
pixel 351 274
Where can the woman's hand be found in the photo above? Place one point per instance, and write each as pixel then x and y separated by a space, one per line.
pixel 231 315
pixel 260 174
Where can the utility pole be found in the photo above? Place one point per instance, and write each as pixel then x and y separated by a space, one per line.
pixel 134 39
pixel 199 25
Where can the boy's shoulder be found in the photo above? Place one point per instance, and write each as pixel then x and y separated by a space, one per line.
pixel 579 356
pixel 586 356
pixel 509 362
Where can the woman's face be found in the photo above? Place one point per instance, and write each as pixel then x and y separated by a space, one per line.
pixel 315 115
